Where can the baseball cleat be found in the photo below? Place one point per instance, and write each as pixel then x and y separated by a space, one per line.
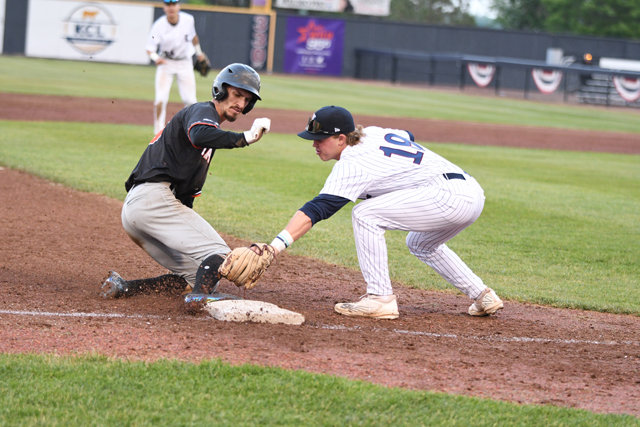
pixel 114 287
pixel 206 298
pixel 374 306
pixel 196 302
pixel 487 303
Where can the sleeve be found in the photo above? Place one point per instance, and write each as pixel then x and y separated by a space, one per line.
pixel 192 27
pixel 154 38
pixel 323 207
pixel 207 135
pixel 187 200
pixel 346 180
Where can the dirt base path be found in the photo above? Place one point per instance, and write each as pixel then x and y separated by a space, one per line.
pixel 58 245
pixel 99 110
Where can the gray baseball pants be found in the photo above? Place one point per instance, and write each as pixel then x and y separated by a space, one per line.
pixel 172 234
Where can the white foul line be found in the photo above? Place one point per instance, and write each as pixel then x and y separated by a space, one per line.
pixel 340 328
pixel 487 338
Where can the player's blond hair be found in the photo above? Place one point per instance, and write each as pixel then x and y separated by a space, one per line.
pixel 353 138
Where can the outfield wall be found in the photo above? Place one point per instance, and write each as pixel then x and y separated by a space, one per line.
pixel 2 12
pixel 116 31
pixel 229 36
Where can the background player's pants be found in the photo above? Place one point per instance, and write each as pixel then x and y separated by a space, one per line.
pixel 182 70
pixel 433 214
pixel 172 234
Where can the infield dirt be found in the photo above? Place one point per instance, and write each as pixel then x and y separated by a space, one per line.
pixel 58 245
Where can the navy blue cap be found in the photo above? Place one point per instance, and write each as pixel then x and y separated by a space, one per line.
pixel 328 121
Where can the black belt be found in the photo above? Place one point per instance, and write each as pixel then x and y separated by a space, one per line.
pixel 453 176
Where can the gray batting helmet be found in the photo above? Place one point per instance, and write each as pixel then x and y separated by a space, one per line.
pixel 240 76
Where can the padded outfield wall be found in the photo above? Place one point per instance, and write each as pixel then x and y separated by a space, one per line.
pixel 227 38
pixel 361 33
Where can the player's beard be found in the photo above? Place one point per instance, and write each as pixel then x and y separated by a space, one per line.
pixel 231 116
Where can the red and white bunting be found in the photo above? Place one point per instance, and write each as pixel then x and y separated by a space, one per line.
pixel 546 80
pixel 628 87
pixel 482 74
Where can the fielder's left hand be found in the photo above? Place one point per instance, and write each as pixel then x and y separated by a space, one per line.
pixel 245 266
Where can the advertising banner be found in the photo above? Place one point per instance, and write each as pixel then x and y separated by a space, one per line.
pixel 313 46
pixel 359 7
pixel 259 42
pixel 105 32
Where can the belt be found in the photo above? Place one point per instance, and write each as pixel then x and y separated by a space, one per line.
pixel 454 176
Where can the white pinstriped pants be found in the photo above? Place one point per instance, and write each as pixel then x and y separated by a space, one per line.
pixel 433 214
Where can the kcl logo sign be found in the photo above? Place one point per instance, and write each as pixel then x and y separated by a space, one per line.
pixel 90 29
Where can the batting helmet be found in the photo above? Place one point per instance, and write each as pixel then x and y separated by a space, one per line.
pixel 240 76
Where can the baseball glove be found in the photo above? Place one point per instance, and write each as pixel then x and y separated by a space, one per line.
pixel 202 66
pixel 245 266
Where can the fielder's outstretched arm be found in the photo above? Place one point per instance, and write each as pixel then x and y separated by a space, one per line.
pixel 299 225
pixel 322 207
pixel 245 266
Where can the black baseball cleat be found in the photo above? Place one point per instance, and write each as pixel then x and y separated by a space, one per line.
pixel 114 287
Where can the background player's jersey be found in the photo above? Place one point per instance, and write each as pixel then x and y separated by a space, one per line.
pixel 173 41
pixel 385 160
pixel 173 157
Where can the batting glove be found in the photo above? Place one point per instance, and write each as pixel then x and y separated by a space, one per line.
pixel 259 128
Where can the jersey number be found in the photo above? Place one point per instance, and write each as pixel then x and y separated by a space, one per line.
pixel 398 140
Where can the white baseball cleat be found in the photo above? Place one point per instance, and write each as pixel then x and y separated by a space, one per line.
pixel 374 306
pixel 487 303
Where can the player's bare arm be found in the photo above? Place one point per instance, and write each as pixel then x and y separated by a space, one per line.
pixel 299 225
pixel 156 58
pixel 196 44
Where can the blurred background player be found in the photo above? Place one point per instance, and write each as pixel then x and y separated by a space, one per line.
pixel 157 213
pixel 172 43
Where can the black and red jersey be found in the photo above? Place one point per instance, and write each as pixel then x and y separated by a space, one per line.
pixel 181 152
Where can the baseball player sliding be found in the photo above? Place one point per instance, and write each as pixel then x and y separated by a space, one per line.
pixel 404 186
pixel 172 42
pixel 157 212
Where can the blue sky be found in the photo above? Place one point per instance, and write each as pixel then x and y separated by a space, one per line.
pixel 481 8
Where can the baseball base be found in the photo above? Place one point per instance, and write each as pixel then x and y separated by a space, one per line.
pixel 252 311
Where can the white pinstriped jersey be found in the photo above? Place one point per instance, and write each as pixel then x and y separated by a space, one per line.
pixel 174 41
pixel 385 160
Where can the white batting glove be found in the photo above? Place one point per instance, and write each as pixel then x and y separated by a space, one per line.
pixel 259 128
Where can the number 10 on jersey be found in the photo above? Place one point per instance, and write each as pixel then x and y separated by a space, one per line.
pixel 398 140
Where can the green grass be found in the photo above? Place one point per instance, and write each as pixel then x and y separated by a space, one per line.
pixel 117 81
pixel 559 228
pixel 96 391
